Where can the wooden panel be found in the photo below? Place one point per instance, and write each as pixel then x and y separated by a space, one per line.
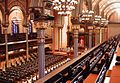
pixel 115 79
pixel 115 75
pixel 115 71
pixel 91 78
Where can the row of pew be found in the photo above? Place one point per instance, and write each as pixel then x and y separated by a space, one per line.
pixel 95 62
pixel 102 67
pixel 21 70
pixel 17 37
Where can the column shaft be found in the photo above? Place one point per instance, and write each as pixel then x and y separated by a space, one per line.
pixel 6 48
pixel 61 38
pixel 27 48
pixel 41 52
pixel 53 39
pixel 100 35
pixel 75 43
pixel 90 39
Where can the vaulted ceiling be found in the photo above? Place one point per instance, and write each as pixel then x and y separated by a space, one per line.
pixel 107 8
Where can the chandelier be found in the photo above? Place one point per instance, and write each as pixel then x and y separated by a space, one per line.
pixel 99 21
pixel 64 7
pixel 87 16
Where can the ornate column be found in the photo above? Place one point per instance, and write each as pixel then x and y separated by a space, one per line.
pixel 53 39
pixel 27 45
pixel 76 26
pixel 76 32
pixel 100 35
pixel 5 25
pixel 60 36
pixel 93 37
pixel 6 47
pixel 90 39
pixel 40 26
pixel 25 24
pixel 75 42
pixel 40 22
pixel 106 33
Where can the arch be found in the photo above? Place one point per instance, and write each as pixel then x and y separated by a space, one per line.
pixel 110 12
pixel 2 17
pixel 2 9
pixel 18 3
pixel 16 18
pixel 108 5
pixel 114 17
pixel 103 3
pixel 111 9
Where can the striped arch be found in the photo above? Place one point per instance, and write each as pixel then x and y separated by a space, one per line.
pixel 2 11
pixel 108 14
pixel 108 5
pixel 18 3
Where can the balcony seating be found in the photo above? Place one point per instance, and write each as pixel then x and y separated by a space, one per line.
pixel 23 70
pixel 98 56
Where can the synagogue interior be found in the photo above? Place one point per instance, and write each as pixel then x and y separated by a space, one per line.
pixel 59 41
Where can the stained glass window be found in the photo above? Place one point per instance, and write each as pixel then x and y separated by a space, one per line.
pixel 30 27
pixel 15 28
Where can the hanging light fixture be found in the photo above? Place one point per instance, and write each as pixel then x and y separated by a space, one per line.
pixel 64 7
pixel 99 21
pixel 87 16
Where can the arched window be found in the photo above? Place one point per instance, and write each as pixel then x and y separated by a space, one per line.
pixel 15 27
pixel 15 20
pixel 30 27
